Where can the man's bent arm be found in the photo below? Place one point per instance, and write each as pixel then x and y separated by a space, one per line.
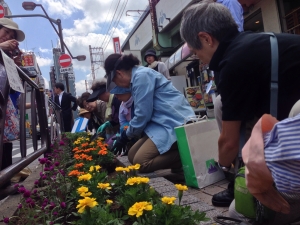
pixel 229 142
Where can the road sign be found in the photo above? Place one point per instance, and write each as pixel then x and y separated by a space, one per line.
pixel 66 69
pixel 64 60
pixel 2 12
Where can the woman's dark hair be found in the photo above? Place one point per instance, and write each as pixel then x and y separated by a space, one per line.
pixel 82 98
pixel 61 86
pixel 127 62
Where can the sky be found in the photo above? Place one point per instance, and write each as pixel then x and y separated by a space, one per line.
pixel 84 22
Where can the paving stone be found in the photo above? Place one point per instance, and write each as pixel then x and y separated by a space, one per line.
pixel 124 160
pixel 221 182
pixel 201 206
pixel 161 184
pixel 164 189
pixel 211 190
pixel 150 175
pixel 211 214
pixel 157 180
pixel 204 197
pixel 187 200
pixel 193 190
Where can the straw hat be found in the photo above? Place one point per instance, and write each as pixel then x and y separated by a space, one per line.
pixel 82 111
pixel 8 23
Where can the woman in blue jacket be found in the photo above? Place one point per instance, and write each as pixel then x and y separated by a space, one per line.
pixel 158 108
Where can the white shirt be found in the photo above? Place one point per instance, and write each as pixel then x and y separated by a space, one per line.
pixel 60 97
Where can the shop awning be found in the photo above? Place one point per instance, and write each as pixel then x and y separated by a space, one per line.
pixel 180 55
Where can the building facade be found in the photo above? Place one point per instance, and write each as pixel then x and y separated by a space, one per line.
pixel 159 27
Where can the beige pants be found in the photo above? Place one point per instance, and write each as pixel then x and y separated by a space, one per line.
pixel 145 153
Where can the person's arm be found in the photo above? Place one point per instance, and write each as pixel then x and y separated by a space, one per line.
pixel 143 88
pixel 162 68
pixel 236 11
pixel 229 142
pixel 9 45
pixel 74 100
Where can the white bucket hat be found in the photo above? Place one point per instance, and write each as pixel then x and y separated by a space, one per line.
pixel 8 23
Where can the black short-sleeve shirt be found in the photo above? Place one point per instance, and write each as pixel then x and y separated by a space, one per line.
pixel 243 64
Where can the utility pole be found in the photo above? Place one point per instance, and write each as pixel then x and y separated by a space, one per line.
pixel 97 58
pixel 86 87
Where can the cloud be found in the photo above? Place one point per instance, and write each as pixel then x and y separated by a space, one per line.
pixel 44 50
pixel 44 61
pixel 80 87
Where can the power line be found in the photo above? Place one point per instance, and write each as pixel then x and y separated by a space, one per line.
pixel 105 20
pixel 111 23
pixel 112 33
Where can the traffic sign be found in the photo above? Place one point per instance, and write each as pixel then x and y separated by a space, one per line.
pixel 64 60
pixel 2 12
pixel 66 69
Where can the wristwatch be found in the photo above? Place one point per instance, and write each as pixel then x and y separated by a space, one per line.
pixel 224 168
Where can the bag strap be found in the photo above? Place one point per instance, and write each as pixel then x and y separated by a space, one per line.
pixel 274 75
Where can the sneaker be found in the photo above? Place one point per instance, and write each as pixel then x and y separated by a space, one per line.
pixel 224 198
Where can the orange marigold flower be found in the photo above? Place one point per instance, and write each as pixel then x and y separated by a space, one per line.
pixel 79 165
pixel 102 152
pixel 76 156
pixel 75 149
pixel 84 144
pixel 89 158
pixel 125 127
pixel 75 173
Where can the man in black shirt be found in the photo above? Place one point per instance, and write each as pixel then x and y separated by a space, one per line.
pixel 243 61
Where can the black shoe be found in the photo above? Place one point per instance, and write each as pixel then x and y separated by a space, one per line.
pixel 223 198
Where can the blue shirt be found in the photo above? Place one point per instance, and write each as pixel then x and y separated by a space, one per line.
pixel 236 11
pixel 158 108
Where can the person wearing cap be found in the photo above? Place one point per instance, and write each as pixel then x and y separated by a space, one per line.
pixel 10 35
pixel 92 124
pixel 126 107
pixel 97 108
pixel 153 63
pixel 111 126
pixel 158 108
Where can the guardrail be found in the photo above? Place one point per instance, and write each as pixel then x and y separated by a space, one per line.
pixel 38 110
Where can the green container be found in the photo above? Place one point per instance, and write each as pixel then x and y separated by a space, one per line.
pixel 245 203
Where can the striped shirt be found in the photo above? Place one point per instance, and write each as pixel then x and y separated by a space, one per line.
pixel 282 154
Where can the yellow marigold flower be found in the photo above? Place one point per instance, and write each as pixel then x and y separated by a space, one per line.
pixel 85 177
pixel 91 168
pixel 104 186
pixel 97 167
pixel 138 208
pixel 132 181
pixel 118 169
pixel 82 189
pixel 168 200
pixel 109 202
pixel 86 202
pixel 144 180
pixel 92 143
pixel 87 194
pixel 136 166
pixel 181 187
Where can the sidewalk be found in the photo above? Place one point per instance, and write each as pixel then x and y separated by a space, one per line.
pixel 197 198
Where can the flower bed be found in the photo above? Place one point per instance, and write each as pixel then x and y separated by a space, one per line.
pixel 75 187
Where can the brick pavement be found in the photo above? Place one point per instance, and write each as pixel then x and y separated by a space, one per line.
pixel 197 198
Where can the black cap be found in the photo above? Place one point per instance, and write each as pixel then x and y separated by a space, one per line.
pixel 150 52
pixel 96 92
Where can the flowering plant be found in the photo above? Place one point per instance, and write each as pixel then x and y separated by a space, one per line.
pixel 84 194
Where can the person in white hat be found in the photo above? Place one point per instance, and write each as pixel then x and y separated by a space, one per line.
pixel 10 35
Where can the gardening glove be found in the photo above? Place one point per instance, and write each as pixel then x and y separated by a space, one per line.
pixel 120 143
pixel 102 128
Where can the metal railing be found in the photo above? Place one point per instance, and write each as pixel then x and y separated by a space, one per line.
pixel 37 111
